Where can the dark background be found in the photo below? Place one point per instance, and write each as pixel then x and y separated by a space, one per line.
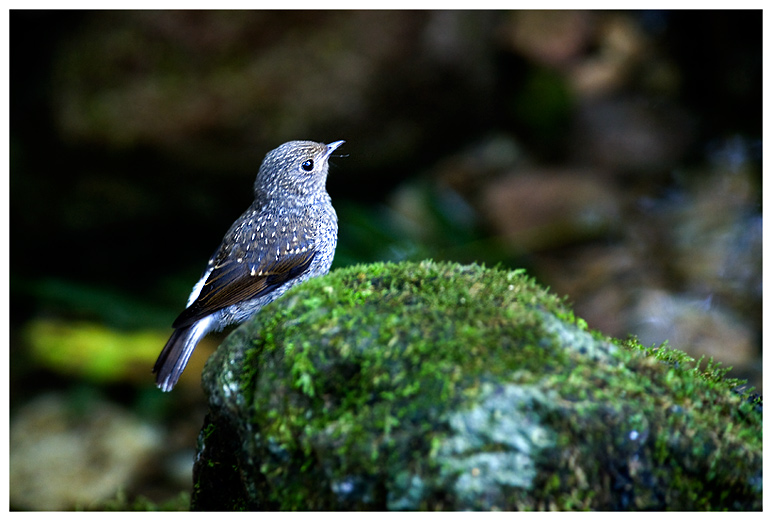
pixel 615 155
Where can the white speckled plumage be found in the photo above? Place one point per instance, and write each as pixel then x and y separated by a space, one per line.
pixel 285 237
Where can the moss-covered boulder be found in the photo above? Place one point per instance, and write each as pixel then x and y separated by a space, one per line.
pixel 445 387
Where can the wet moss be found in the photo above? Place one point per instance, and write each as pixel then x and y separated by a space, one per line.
pixel 438 386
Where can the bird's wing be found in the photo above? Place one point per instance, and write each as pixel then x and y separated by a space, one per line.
pixel 244 269
pixel 232 282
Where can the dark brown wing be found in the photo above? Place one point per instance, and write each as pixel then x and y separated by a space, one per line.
pixel 232 282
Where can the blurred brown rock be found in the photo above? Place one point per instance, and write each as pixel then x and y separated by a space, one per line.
pixel 630 135
pixel 597 280
pixel 67 454
pixel 696 326
pixel 716 236
pixel 553 38
pixel 543 208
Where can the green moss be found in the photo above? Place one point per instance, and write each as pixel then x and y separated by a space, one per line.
pixel 439 386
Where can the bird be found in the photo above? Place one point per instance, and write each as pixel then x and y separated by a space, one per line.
pixel 286 236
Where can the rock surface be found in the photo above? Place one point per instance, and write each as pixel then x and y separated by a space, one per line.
pixel 446 387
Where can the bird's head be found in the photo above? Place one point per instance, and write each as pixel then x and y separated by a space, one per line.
pixel 296 168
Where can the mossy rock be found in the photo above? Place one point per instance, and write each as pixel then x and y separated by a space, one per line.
pixel 435 386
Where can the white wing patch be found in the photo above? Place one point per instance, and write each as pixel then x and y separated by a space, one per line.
pixel 198 287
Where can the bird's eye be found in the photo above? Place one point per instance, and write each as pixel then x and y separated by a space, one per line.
pixel 308 165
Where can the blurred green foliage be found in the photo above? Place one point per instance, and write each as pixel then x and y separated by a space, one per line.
pixel 92 351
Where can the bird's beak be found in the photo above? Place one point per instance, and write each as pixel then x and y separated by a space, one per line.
pixel 332 146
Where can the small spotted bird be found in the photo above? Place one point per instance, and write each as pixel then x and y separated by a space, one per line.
pixel 287 236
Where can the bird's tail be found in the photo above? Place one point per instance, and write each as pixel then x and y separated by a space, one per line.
pixel 176 353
